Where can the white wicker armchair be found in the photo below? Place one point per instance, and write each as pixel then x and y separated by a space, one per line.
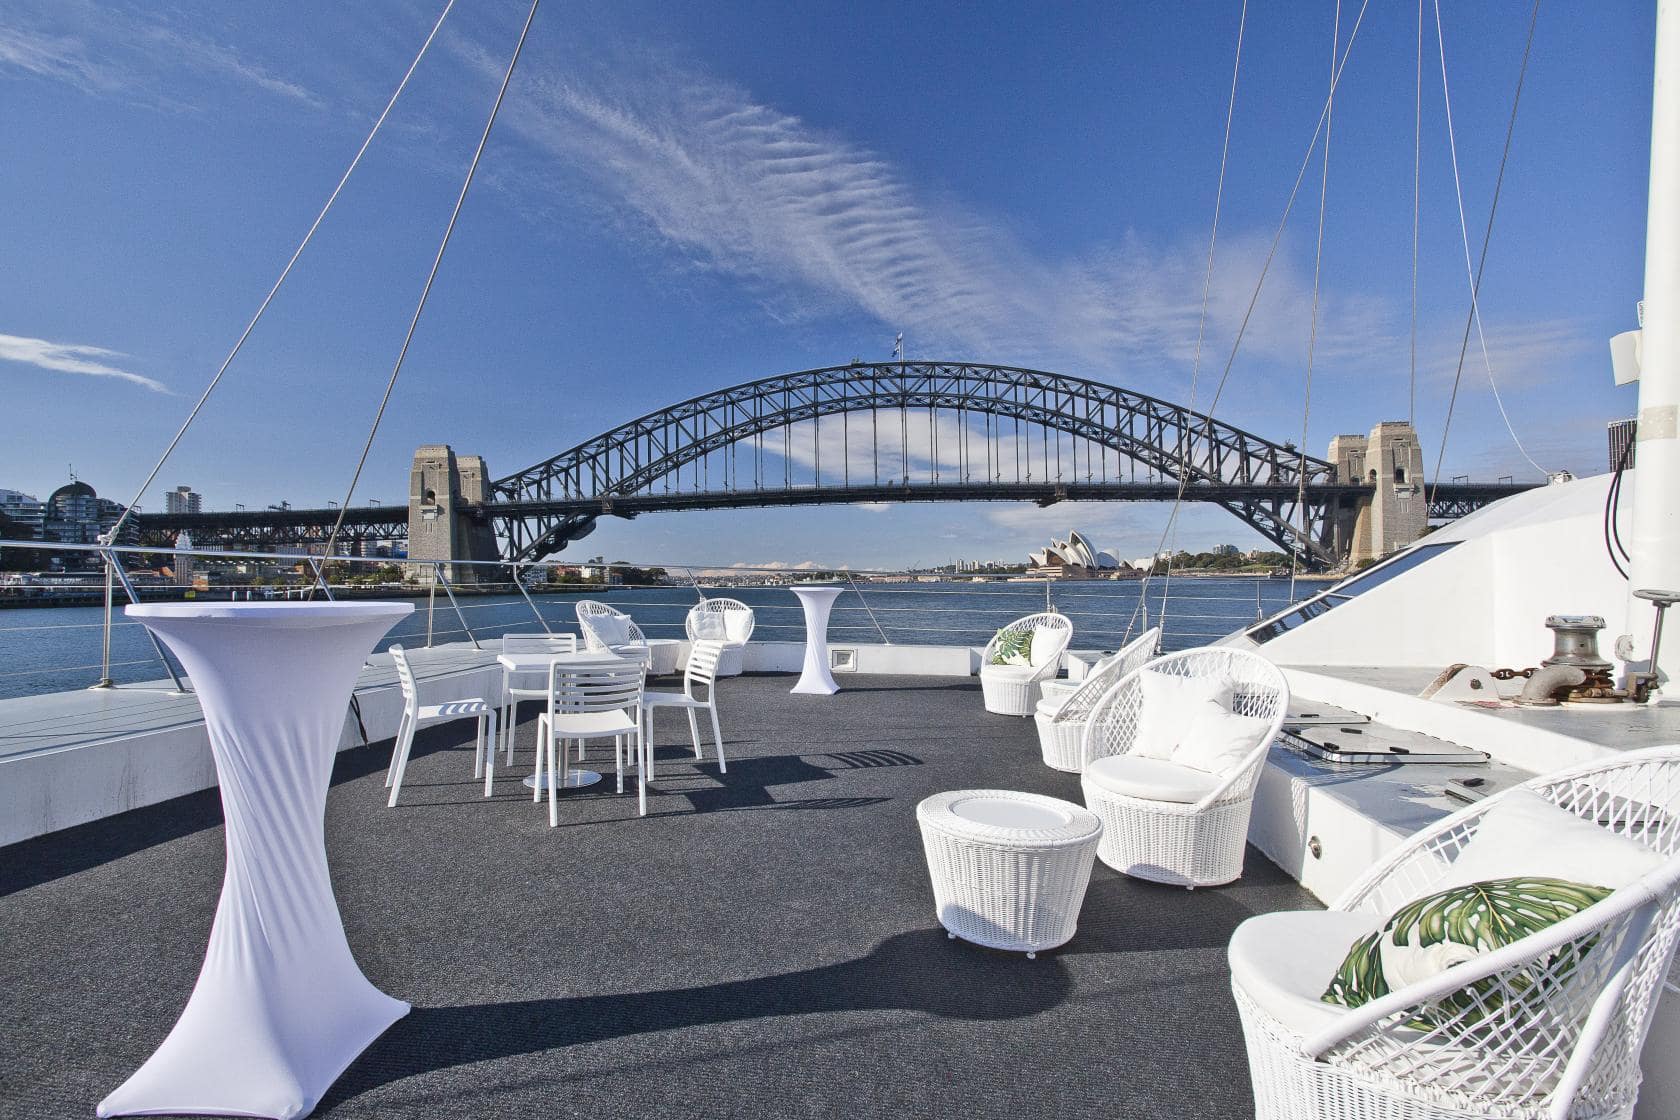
pixel 1166 822
pixel 1551 1030
pixel 607 628
pixel 729 621
pixel 1061 718
pixel 1012 690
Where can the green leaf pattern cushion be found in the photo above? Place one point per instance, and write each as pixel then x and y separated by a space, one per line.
pixel 1429 936
pixel 1014 647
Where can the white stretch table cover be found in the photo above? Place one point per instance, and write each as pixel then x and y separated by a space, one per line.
pixel 280 1007
pixel 816 679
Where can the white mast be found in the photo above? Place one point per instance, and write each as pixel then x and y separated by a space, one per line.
pixel 1655 544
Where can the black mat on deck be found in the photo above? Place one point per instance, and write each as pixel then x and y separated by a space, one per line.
pixel 761 944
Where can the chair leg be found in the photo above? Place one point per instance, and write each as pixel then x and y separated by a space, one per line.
pixel 400 762
pixel 396 748
pixel 554 779
pixel 645 750
pixel 694 733
pixel 542 737
pixel 490 753
pixel 618 760
pixel 478 747
pixel 717 736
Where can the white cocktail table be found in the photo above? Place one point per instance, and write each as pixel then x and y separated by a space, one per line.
pixel 816 679
pixel 539 663
pixel 280 1007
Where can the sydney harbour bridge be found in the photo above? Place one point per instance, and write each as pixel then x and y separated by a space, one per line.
pixel 899 431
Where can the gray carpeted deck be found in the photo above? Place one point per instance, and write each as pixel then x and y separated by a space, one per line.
pixel 762 944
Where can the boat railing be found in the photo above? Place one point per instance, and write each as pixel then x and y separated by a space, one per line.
pixel 476 602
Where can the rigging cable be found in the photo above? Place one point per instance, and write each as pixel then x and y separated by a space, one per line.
pixel 1312 332
pixel 1417 202
pixel 1474 316
pixel 1266 265
pixel 431 276
pixel 122 518
pixel 1201 327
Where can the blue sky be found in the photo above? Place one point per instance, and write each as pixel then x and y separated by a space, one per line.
pixel 683 197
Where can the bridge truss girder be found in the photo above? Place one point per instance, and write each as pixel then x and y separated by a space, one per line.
pixel 1194 450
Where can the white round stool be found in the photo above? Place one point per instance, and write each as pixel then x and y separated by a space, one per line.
pixel 1009 869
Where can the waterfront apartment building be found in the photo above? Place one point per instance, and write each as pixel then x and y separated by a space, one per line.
pixel 22 513
pixel 183 499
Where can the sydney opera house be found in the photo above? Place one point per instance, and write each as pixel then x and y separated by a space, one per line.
pixel 1075 558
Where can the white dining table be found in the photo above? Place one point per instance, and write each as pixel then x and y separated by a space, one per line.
pixel 540 663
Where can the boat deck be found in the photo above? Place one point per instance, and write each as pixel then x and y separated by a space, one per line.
pixel 761 944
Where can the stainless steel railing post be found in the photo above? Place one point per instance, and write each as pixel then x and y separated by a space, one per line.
pixel 320 579
pixel 105 634
pixel 431 610
pixel 134 597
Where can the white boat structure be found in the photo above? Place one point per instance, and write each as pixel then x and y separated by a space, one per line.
pixel 1507 645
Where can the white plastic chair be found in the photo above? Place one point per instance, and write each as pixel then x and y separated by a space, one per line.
pixel 1060 715
pixel 702 671
pixel 1557 1020
pixel 1012 690
pixel 590 702
pixel 1166 822
pixel 520 687
pixel 609 629
pixel 728 621
pixel 415 715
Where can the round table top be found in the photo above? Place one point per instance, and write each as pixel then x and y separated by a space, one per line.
pixel 1008 815
pixel 274 614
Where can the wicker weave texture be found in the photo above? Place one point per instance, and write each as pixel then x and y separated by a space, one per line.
pixel 1014 889
pixel 1551 1017
pixel 1012 694
pixel 1059 735
pixel 1198 845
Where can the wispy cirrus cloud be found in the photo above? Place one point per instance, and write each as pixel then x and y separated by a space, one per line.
pixel 63 357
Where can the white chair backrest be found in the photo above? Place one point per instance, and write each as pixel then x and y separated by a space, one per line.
pixel 733 621
pixel 405 678
pixel 1258 689
pixel 1103 675
pixel 575 689
pixel 539 643
pixel 702 666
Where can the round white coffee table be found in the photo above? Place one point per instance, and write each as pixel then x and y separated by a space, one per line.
pixel 280 1008
pixel 1009 869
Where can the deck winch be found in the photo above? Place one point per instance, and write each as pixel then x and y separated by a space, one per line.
pixel 1574 673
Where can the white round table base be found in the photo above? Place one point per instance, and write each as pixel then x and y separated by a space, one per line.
pixel 280 1008
pixel 816 679
pixel 574 779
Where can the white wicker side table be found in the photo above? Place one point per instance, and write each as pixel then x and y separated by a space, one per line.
pixel 1009 869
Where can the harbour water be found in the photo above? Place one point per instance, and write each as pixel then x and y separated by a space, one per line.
pixel 58 649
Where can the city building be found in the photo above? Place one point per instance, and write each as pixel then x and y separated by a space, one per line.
pixel 23 513
pixel 183 499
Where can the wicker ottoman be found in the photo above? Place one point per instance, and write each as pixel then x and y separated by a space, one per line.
pixel 1009 869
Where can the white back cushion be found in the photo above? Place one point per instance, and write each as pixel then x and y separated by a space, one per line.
pixel 709 625
pixel 737 625
pixel 1046 644
pixel 1526 835
pixel 1167 703
pixel 612 629
pixel 1216 739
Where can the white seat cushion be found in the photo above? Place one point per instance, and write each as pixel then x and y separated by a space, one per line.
pixel 1526 835
pixel 1285 961
pixel 1049 706
pixel 1009 672
pixel 1152 779
pixel 570 725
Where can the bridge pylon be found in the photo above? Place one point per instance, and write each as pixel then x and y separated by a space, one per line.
pixel 1394 511
pixel 446 493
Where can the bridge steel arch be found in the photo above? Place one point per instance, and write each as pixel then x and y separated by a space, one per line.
pixel 542 507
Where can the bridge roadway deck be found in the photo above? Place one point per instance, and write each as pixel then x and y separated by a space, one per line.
pixel 761 944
